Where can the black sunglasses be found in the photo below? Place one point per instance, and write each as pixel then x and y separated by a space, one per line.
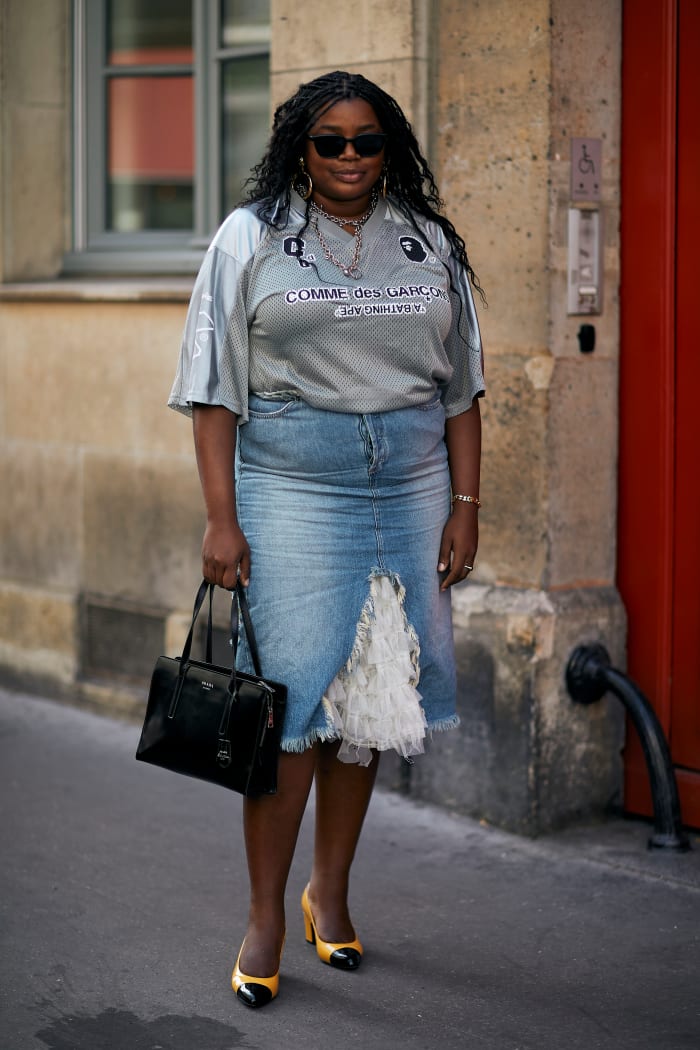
pixel 368 145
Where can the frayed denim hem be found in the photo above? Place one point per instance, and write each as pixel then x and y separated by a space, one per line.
pixel 443 724
pixel 322 735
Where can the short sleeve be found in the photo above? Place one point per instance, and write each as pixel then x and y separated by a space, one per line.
pixel 213 364
pixel 463 343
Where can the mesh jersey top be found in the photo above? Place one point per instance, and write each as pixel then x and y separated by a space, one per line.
pixel 270 314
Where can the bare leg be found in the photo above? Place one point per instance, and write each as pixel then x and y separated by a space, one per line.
pixel 343 793
pixel 271 826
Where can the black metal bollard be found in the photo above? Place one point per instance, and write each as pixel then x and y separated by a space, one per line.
pixel 589 676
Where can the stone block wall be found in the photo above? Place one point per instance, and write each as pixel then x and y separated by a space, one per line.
pixel 34 145
pixel 105 514
pixel 389 43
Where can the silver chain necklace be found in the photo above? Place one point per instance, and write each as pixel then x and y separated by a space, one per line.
pixel 349 269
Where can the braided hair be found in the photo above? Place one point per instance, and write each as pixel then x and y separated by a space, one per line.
pixel 409 180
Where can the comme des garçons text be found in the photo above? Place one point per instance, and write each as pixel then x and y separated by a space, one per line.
pixel 342 294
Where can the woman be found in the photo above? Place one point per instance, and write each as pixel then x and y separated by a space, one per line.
pixel 332 339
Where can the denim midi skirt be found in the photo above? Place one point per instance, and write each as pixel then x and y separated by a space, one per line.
pixel 343 513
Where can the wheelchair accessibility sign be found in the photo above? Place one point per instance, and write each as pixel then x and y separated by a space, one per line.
pixel 586 169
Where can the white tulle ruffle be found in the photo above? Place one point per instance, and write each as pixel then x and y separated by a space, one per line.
pixel 373 700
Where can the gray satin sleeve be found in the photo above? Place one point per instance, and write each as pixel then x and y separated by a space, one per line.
pixel 213 364
pixel 463 343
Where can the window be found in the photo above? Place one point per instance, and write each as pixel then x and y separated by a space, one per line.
pixel 171 111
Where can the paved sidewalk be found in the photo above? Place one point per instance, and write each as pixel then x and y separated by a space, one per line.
pixel 122 890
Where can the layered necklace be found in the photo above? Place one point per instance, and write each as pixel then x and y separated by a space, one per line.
pixel 349 269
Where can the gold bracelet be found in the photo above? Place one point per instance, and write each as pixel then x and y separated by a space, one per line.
pixel 466 499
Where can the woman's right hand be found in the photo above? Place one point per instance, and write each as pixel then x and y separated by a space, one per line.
pixel 225 555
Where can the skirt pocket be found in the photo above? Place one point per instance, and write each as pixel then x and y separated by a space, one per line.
pixel 270 408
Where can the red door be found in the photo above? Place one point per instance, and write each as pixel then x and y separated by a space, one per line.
pixel 659 513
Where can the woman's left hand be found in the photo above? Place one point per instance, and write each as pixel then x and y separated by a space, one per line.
pixel 460 539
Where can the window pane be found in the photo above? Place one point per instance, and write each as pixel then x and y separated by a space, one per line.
pixel 245 122
pixel 150 160
pixel 245 22
pixel 149 31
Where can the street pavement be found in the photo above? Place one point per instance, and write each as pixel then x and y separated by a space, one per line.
pixel 123 896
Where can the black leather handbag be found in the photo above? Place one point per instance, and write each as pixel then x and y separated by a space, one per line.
pixel 215 723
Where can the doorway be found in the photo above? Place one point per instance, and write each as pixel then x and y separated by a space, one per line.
pixel 659 507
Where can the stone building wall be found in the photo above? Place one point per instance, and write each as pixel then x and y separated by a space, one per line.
pixel 508 101
pixel 101 535
pixel 34 140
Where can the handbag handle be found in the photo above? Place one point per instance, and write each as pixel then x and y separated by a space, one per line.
pixel 239 601
pixel 239 606
pixel 198 602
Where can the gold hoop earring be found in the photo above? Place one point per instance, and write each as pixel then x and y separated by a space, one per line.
pixel 383 187
pixel 307 190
